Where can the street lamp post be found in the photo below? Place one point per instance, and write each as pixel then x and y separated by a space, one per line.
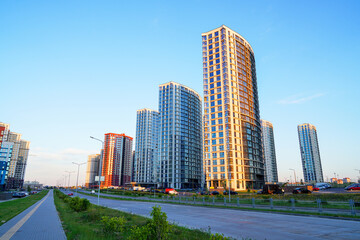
pixel 69 178
pixel 77 178
pixel 294 173
pixel 99 182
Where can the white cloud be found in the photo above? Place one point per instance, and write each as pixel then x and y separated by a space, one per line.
pixel 300 98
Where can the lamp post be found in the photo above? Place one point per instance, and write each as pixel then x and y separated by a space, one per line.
pixel 100 166
pixel 77 178
pixel 69 178
pixel 294 173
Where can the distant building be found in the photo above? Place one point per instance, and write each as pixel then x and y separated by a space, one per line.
pixel 340 181
pixel 310 154
pixel 34 185
pixel 346 180
pixel 180 136
pixel 117 160
pixel 333 180
pixel 5 157
pixel 16 164
pixel 146 164
pixel 271 173
pixel 92 170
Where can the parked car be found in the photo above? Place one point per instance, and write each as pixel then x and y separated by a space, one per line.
pixel 92 191
pixel 355 186
pixel 301 190
pixel 19 195
pixel 215 193
pixel 231 193
pixel 70 194
pixel 203 193
pixel 171 191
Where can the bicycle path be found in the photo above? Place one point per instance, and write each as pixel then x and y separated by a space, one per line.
pixel 38 222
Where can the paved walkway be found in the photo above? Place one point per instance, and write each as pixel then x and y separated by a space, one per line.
pixel 238 224
pixel 38 222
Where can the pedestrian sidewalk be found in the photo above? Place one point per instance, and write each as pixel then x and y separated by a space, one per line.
pixel 40 221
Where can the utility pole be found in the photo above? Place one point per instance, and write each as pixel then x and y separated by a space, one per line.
pixel 100 170
pixel 77 178
pixel 69 178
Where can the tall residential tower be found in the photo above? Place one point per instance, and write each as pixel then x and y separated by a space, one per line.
pixel 146 164
pixel 310 153
pixel 232 128
pixel 117 160
pixel 271 173
pixel 92 170
pixel 180 136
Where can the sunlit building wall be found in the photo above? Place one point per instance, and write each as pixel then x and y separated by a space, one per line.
pixel 310 153
pixel 117 161
pixel 146 165
pixel 271 173
pixel 232 128
pixel 180 136
pixel 92 170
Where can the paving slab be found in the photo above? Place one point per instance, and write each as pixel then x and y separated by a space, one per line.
pixel 42 222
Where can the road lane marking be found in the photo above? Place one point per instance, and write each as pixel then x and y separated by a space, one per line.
pixel 21 222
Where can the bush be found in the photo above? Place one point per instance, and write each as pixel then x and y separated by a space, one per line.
pixel 113 224
pixel 218 236
pixel 140 233
pixel 79 204
pixel 159 226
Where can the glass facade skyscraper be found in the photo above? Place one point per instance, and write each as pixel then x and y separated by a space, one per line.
pixel 271 173
pixel 146 163
pixel 180 148
pixel 310 153
pixel 232 128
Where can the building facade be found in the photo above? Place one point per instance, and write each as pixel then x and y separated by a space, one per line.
pixel 92 170
pixel 232 128
pixel 180 145
pixel 310 153
pixel 17 160
pixel 146 165
pixel 117 160
pixel 5 157
pixel 271 173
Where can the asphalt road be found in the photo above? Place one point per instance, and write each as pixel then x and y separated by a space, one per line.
pixel 242 224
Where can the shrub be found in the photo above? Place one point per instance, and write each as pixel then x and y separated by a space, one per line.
pixel 140 233
pixel 159 227
pixel 79 204
pixel 218 236
pixel 113 224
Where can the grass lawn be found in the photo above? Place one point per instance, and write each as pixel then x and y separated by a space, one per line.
pixel 248 201
pixel 87 224
pixel 10 209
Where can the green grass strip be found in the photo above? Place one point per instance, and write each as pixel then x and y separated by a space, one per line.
pixel 11 208
pixel 302 213
pixel 87 225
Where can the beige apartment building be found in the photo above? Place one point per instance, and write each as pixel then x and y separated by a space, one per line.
pixel 233 152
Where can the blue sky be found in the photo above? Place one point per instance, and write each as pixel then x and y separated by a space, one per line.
pixel 71 69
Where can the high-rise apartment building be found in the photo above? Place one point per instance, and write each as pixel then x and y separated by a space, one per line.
pixel 232 128
pixel 310 153
pixel 5 157
pixel 146 165
pixel 117 160
pixel 21 163
pixel 271 173
pixel 92 170
pixel 180 145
